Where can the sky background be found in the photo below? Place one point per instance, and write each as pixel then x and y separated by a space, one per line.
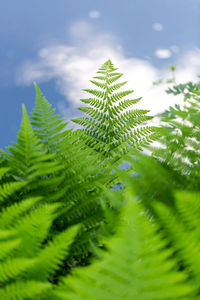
pixel 61 44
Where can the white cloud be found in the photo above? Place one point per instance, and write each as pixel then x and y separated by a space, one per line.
pixel 72 66
pixel 94 14
pixel 157 27
pixel 188 66
pixel 163 53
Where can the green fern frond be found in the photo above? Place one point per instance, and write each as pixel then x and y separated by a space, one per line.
pixel 123 104
pixel 103 78
pixel 24 290
pixel 117 86
pixel 183 232
pixel 50 258
pixel 28 152
pixel 12 268
pixel 99 84
pixel 10 214
pixel 7 189
pixel 30 162
pixel 81 194
pixel 27 260
pixel 139 267
pixel 96 93
pixel 118 96
pixel 112 77
pixel 109 124
pixel 3 171
pixel 92 101
pixel 8 247
pixel 180 143
pixel 48 126
pixel 34 227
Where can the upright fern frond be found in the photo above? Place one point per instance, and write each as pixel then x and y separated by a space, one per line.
pixel 66 172
pixel 28 153
pixel 29 161
pixel 111 126
pixel 48 126
pixel 138 265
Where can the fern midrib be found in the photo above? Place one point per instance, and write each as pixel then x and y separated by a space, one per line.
pixel 108 101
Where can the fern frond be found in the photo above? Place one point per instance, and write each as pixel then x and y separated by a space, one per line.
pixel 99 84
pixel 117 86
pixel 100 77
pixel 118 96
pixel 94 102
pixel 182 230
pixel 3 171
pixel 28 152
pixel 48 126
pixel 30 162
pixel 108 123
pixel 112 77
pixel 124 104
pixel 8 247
pixel 34 227
pixel 24 290
pixel 180 143
pixel 136 268
pixel 50 258
pixel 96 93
pixel 12 268
pixel 10 214
pixel 7 189
pixel 26 259
pixel 80 192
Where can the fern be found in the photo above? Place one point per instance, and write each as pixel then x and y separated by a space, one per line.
pixel 48 126
pixel 29 162
pixel 79 190
pixel 7 189
pixel 27 258
pixel 56 211
pixel 82 194
pixel 183 232
pixel 138 265
pixel 111 126
pixel 150 180
pixel 181 140
pixel 24 290
pixel 178 218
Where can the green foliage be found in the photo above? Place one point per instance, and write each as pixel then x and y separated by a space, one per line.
pixel 27 258
pixel 58 212
pixel 149 179
pixel 138 265
pixel 182 229
pixel 79 189
pixel 48 126
pixel 28 157
pixel 181 139
pixel 29 161
pixel 187 89
pixel 112 126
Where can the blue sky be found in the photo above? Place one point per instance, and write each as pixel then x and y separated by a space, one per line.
pixel 61 44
